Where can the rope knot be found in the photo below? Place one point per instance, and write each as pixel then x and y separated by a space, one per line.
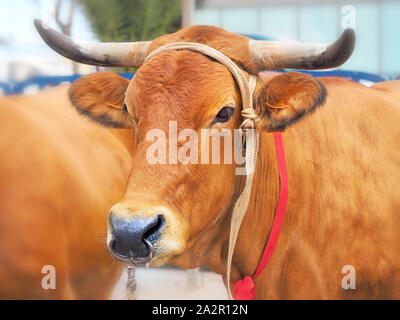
pixel 251 119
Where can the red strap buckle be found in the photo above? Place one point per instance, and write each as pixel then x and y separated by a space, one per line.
pixel 244 289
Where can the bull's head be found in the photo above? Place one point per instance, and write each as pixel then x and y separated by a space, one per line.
pixel 176 212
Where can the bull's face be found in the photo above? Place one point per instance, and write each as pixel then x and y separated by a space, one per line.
pixel 169 207
pixel 177 209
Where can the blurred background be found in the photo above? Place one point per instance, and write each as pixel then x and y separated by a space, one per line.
pixel 23 55
pixel 28 65
pixel 375 22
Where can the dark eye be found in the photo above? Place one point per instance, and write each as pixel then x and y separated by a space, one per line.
pixel 224 115
pixel 125 108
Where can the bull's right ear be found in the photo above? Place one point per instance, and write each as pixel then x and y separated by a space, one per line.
pixel 100 96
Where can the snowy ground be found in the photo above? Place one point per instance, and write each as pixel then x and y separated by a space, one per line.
pixel 173 284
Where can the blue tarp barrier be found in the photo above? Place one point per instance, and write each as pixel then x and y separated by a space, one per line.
pixel 45 81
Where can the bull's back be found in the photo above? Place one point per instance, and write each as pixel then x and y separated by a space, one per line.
pixel 344 196
pixel 59 175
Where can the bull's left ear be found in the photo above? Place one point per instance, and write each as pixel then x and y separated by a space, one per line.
pixel 287 98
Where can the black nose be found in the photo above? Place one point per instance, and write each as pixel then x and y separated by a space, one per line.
pixel 134 239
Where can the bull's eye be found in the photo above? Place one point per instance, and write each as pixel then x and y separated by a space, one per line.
pixel 125 108
pixel 224 115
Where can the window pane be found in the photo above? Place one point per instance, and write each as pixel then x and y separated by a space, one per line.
pixel 279 22
pixel 318 23
pixel 366 53
pixel 390 38
pixel 207 17
pixel 240 20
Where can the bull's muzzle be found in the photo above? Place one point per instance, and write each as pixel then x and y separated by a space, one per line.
pixel 134 239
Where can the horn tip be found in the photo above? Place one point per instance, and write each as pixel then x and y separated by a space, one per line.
pixel 350 35
pixel 348 40
pixel 39 24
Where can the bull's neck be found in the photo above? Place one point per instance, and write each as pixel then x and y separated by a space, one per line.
pixel 257 222
pixel 259 217
pixel 211 248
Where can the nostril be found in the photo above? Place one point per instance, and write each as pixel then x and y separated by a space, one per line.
pixel 130 257
pixel 154 232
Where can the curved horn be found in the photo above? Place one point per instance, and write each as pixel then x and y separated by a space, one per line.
pixel 297 55
pixel 107 54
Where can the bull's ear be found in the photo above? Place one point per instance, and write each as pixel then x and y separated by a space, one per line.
pixel 287 98
pixel 100 96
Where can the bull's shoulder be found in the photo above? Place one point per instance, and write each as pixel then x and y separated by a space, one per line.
pixel 392 86
pixel 332 81
pixel 378 95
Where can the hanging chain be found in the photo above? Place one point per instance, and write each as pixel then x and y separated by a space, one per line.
pixel 131 283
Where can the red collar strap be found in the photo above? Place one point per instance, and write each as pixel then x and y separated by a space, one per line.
pixel 245 289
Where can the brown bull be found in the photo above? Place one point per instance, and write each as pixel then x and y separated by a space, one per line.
pixel 341 142
pixel 59 174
